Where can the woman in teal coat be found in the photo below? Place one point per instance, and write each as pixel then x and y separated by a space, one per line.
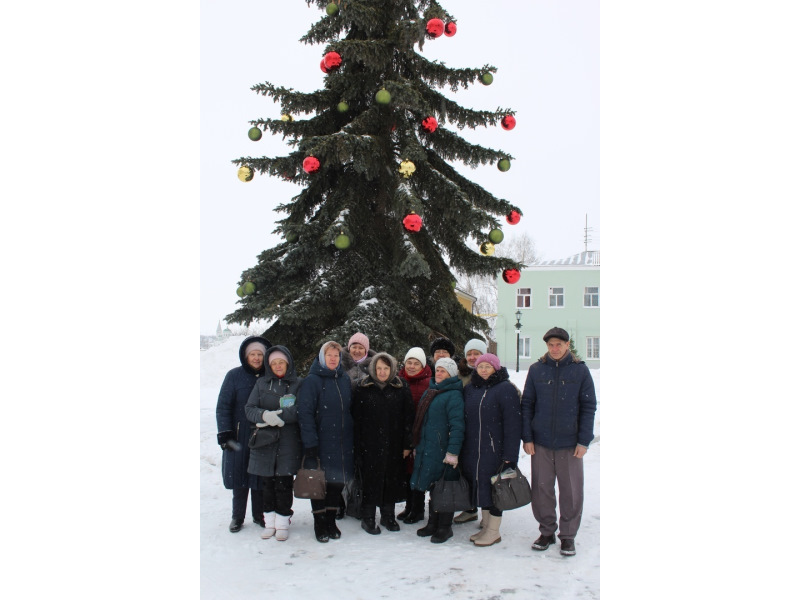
pixel 438 434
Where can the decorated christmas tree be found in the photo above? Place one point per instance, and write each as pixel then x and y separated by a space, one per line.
pixel 384 218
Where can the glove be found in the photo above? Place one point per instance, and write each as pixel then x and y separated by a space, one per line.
pixel 509 465
pixel 223 437
pixel 272 419
pixel 312 452
pixel 451 459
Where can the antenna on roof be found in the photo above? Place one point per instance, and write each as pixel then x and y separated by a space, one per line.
pixel 586 238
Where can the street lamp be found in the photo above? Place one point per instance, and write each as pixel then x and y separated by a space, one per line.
pixel 518 326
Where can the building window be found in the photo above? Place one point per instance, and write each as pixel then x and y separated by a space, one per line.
pixel 591 297
pixel 524 349
pixel 556 297
pixel 523 297
pixel 593 348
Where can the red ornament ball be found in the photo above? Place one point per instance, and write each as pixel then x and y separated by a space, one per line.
pixel 513 217
pixel 412 222
pixel 511 275
pixel 429 124
pixel 450 29
pixel 310 164
pixel 435 28
pixel 322 66
pixel 508 123
pixel 332 60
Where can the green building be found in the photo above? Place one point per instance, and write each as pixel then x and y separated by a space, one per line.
pixel 560 293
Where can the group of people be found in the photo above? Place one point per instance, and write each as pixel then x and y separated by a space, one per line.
pixel 396 429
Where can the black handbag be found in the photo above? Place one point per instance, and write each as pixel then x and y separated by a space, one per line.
pixel 510 489
pixel 310 483
pixel 355 496
pixel 451 495
pixel 263 436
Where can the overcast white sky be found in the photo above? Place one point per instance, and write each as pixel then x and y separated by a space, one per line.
pixel 547 55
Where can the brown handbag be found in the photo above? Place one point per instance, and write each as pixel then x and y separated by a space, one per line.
pixel 310 483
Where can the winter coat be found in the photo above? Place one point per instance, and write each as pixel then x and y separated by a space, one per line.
pixel 418 384
pixel 233 395
pixel 282 457
pixel 382 417
pixel 323 409
pixel 558 403
pixel 494 427
pixel 356 370
pixel 442 431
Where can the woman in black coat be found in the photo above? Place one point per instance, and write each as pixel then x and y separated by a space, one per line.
pixel 383 414
pixel 233 431
pixel 275 446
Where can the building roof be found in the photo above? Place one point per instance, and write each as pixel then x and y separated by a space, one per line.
pixel 583 259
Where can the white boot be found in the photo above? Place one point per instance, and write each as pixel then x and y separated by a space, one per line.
pixel 491 533
pixel 269 525
pixel 484 522
pixel 282 528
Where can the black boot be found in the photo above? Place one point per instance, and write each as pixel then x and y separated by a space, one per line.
pixel 333 530
pixel 368 525
pixel 321 527
pixel 432 526
pixel 444 530
pixel 417 511
pixel 388 520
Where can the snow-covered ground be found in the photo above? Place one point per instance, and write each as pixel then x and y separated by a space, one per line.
pixel 360 566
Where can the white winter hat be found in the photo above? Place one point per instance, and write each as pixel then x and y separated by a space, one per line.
pixel 418 353
pixel 449 365
pixel 475 344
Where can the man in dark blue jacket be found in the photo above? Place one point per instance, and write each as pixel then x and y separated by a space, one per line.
pixel 558 407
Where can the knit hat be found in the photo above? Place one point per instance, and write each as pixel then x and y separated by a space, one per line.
pixel 418 353
pixel 443 343
pixel 255 346
pixel 475 344
pixel 359 338
pixel 556 332
pixel 325 346
pixel 488 358
pixel 449 365
pixel 277 354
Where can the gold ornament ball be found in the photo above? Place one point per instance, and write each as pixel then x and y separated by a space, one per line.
pixel 287 117
pixel 487 248
pixel 245 173
pixel 407 168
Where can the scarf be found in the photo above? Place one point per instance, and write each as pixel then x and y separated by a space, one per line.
pixel 422 408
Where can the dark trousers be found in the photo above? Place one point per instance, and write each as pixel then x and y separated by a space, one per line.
pixel 368 510
pixel 240 503
pixel 278 496
pixel 547 468
pixel 333 494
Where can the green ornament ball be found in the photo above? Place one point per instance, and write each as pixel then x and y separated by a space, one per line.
pixel 332 9
pixel 343 106
pixel 496 236
pixel 342 242
pixel 292 237
pixel 240 291
pixel 453 284
pixel 383 97
pixel 487 79
pixel 254 133
pixel 249 287
pixel 504 164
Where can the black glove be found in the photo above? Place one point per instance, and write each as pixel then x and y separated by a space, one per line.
pixel 312 452
pixel 223 437
pixel 509 465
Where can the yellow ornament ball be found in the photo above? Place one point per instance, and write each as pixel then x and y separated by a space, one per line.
pixel 407 168
pixel 245 173
pixel 487 248
pixel 287 117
